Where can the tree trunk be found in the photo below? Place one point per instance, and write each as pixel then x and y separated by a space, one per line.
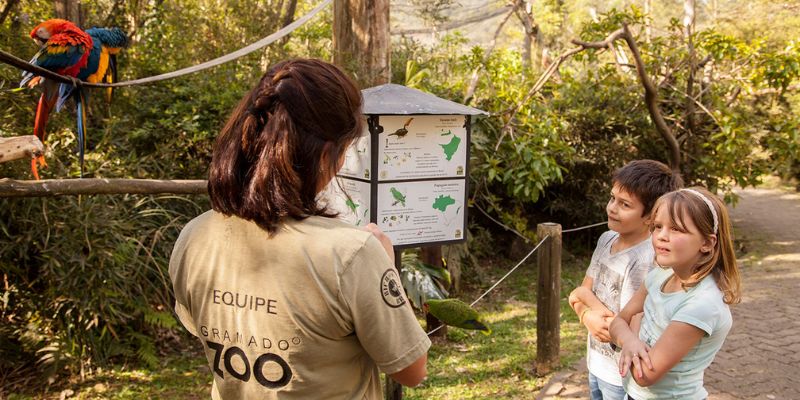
pixel 7 9
pixel 525 15
pixel 288 17
pixel 69 10
pixel 688 23
pixel 361 39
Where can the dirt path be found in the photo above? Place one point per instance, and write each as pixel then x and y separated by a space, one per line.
pixel 761 356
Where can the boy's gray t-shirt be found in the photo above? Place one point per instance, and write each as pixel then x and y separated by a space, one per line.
pixel 616 277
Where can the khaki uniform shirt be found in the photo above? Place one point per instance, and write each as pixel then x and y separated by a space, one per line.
pixel 313 312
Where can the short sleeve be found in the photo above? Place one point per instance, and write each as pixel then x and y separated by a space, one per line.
pixel 699 312
pixel 179 284
pixel 382 316
pixel 594 265
pixel 651 280
pixel 186 318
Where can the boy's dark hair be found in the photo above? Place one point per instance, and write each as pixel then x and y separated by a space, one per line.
pixel 268 160
pixel 647 180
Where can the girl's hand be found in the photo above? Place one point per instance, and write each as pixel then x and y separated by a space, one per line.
pixel 634 352
pixel 597 323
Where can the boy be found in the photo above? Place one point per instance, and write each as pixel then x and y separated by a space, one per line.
pixel 621 260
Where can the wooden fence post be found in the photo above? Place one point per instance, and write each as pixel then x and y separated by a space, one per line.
pixel 391 389
pixel 548 298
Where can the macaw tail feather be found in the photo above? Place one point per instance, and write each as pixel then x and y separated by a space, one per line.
pixel 64 91
pixel 46 103
pixel 80 102
pixel 111 77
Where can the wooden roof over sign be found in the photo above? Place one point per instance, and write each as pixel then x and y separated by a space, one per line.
pixel 392 99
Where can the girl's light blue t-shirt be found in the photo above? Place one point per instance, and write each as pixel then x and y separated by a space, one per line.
pixel 701 306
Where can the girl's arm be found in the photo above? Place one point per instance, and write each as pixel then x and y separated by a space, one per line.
pixel 620 327
pixel 636 323
pixel 675 343
pixel 633 350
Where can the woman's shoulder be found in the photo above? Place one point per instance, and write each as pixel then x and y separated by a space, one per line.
pixel 338 232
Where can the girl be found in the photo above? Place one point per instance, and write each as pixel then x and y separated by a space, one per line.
pixel 685 302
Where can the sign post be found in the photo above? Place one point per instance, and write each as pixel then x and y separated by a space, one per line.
pixel 408 174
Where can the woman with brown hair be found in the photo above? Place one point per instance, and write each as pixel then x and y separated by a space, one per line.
pixel 289 302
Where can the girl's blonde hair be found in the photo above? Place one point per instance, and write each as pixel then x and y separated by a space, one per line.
pixel 721 261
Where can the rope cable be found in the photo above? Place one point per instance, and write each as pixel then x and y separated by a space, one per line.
pixel 500 280
pixel 24 65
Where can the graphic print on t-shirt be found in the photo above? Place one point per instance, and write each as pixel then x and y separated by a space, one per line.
pixel 242 355
pixel 607 288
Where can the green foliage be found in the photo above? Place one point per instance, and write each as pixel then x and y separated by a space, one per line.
pixel 423 281
pixel 86 277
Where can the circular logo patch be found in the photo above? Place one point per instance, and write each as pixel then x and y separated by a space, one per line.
pixel 391 290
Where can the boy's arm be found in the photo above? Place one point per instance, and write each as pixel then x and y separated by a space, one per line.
pixel 591 312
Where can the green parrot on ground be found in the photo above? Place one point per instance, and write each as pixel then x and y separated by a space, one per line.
pixel 456 313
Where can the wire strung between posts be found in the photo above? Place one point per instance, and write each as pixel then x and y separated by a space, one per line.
pixel 508 228
pixel 24 65
pixel 500 280
pixel 580 228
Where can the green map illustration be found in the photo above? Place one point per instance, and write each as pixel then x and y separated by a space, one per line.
pixel 352 206
pixel 398 197
pixel 442 202
pixel 450 148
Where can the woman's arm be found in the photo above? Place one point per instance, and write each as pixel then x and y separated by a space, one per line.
pixel 413 374
pixel 382 238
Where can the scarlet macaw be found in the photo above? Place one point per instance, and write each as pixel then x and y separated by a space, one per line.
pixel 101 66
pixel 65 50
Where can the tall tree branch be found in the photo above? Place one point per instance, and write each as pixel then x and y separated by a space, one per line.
pixel 7 9
pixel 650 90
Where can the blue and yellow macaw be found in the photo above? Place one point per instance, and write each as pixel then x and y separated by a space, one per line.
pixel 64 50
pixel 98 64
pixel 101 67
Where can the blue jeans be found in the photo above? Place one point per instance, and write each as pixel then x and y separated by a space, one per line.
pixel 602 390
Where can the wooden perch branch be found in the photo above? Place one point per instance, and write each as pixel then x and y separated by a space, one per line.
pixel 14 148
pixel 72 187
